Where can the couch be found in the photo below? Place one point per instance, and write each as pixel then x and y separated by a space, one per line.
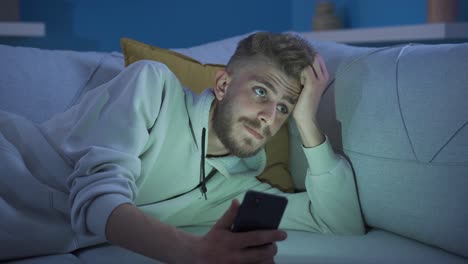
pixel 398 113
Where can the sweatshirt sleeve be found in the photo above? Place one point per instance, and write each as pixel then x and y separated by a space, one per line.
pixel 331 203
pixel 329 206
pixel 103 137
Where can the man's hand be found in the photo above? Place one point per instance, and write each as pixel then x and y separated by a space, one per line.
pixel 314 80
pixel 220 245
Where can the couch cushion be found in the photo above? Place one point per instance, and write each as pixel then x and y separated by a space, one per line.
pixel 400 115
pixel 303 248
pixel 376 246
pixel 109 67
pixel 197 76
pixel 37 83
pixel 51 259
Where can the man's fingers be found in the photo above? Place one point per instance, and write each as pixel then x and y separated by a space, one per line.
pixel 308 76
pixel 258 238
pixel 268 262
pixel 317 67
pixel 261 254
pixel 323 67
pixel 228 217
pixel 315 71
pixel 304 76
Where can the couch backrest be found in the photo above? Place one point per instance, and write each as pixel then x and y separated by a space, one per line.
pixel 400 115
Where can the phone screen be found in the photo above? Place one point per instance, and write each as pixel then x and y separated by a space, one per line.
pixel 259 211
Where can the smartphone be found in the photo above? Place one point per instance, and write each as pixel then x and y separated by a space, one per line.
pixel 259 211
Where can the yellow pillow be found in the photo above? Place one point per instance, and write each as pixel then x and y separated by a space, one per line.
pixel 197 76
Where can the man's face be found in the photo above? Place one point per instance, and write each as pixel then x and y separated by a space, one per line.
pixel 257 102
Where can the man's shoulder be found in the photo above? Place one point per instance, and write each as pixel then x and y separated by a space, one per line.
pixel 154 77
pixel 156 66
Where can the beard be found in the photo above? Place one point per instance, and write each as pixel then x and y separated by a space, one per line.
pixel 224 124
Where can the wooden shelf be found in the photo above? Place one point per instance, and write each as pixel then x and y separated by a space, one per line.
pixel 437 31
pixel 22 29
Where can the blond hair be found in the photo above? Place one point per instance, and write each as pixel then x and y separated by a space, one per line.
pixel 290 53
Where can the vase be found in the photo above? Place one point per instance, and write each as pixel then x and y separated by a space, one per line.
pixel 442 11
pixel 325 17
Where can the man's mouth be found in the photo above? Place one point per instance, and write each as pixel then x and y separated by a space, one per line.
pixel 254 132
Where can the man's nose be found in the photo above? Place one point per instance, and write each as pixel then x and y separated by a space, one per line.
pixel 268 114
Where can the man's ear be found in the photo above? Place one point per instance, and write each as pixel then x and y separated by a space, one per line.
pixel 221 84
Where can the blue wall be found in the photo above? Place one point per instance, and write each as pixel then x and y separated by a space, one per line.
pixel 369 13
pixel 99 24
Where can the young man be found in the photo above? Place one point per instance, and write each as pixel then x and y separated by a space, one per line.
pixel 126 164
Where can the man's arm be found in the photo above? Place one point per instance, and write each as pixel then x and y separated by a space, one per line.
pixel 314 80
pixel 131 228
pixel 329 181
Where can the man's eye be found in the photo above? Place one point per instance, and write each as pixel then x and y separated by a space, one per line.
pixel 260 91
pixel 282 109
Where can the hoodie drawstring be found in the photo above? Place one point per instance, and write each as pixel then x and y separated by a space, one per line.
pixel 203 179
pixel 202 165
